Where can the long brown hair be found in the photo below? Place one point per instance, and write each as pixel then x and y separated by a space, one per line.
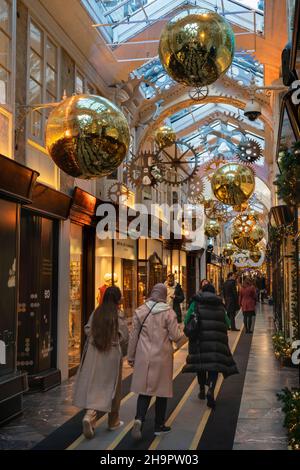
pixel 105 320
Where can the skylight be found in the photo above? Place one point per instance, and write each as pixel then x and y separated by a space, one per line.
pixel 242 70
pixel 120 20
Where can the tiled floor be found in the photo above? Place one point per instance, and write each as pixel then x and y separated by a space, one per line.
pixel 260 419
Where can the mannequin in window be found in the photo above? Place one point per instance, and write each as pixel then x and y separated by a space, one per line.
pixel 107 283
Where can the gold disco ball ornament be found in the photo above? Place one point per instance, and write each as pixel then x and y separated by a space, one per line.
pixel 255 255
pixel 197 47
pixel 229 250
pixel 87 136
pixel 241 207
pixel 165 136
pixel 247 241
pixel 244 223
pixel 212 229
pixel 233 184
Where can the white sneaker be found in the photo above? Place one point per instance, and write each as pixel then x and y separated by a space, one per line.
pixel 137 430
pixel 114 428
pixel 88 430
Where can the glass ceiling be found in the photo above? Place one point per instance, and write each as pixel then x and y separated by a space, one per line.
pixel 242 70
pixel 114 16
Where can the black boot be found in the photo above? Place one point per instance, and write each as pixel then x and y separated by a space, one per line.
pixel 201 395
pixel 211 403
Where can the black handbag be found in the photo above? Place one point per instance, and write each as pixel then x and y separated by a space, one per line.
pixel 191 330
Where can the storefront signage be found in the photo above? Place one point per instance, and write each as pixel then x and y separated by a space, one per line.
pixel 125 249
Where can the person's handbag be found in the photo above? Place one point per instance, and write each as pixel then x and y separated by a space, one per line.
pixel 228 321
pixel 191 329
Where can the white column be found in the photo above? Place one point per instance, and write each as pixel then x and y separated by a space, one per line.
pixel 63 299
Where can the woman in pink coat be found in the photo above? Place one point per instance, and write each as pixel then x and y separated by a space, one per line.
pixel 150 352
pixel 248 303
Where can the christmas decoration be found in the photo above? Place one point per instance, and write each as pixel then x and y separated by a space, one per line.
pixel 233 184
pixel 248 240
pixel 196 47
pixel 291 407
pixel 87 136
pixel 165 136
pixel 118 192
pixel 249 151
pixel 288 181
pixel 212 229
pixel 142 171
pixel 177 163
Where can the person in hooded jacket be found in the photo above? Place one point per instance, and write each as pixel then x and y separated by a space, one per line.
pixel 209 352
pixel 231 299
pixel 150 352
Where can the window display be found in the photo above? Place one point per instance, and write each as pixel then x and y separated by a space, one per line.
pixel 104 268
pixel 8 232
pixel 75 312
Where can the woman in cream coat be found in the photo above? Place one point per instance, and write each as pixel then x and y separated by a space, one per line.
pixel 150 352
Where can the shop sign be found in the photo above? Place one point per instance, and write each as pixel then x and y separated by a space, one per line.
pixel 125 249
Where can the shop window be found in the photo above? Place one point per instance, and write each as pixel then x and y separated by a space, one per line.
pixel 75 312
pixel 5 51
pixel 103 268
pixel 8 298
pixel 43 78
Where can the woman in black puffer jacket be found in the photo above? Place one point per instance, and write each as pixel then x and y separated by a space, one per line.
pixel 209 352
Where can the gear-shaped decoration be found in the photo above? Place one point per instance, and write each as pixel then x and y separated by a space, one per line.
pixel 177 163
pixel 249 151
pixel 198 94
pixel 117 191
pixel 215 210
pixel 141 171
pixel 195 192
pixel 212 166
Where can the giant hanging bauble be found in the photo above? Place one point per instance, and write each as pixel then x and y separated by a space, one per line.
pixel 255 255
pixel 87 136
pixel 233 184
pixel 197 48
pixel 165 136
pixel 212 229
pixel 229 250
pixel 244 223
pixel 249 240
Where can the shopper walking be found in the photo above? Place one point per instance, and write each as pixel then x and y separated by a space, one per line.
pixel 231 299
pixel 248 300
pixel 150 352
pixel 209 352
pixel 98 382
pixel 175 295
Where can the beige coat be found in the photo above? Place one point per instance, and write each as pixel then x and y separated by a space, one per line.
pixel 152 350
pixel 98 373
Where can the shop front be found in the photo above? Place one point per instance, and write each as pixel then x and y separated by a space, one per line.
pixel 214 270
pixel 116 263
pixel 152 267
pixel 16 185
pixel 82 272
pixel 38 286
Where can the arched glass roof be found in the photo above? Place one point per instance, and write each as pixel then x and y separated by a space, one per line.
pixel 120 20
